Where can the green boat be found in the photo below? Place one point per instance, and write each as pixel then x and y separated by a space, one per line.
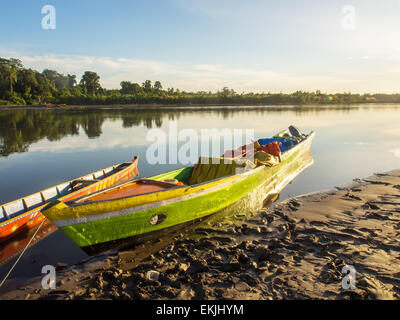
pixel 147 205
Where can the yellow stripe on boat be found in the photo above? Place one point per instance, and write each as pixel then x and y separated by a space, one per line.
pixel 58 213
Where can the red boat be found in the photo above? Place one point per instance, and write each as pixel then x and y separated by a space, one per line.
pixel 13 247
pixel 25 213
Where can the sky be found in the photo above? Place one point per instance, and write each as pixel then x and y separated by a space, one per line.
pixel 252 45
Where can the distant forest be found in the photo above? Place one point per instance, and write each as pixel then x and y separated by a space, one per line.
pixel 23 86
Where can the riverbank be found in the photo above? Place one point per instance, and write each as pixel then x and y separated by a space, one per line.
pixel 295 250
pixel 211 106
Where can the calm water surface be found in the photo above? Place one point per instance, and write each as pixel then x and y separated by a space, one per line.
pixel 40 148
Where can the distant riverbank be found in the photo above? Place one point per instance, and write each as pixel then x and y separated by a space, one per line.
pixel 157 106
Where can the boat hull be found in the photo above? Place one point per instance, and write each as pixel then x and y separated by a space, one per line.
pixel 12 248
pixel 30 218
pixel 259 198
pixel 109 221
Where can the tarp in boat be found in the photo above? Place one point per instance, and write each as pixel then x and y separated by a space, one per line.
pixel 212 168
pixel 286 144
pixel 242 151
pixel 262 158
pixel 273 148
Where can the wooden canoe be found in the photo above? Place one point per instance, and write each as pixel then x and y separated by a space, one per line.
pixel 14 246
pixel 25 213
pixel 146 205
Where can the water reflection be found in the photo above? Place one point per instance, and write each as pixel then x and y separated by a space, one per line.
pixel 20 128
pixel 14 247
pixel 40 148
pixel 262 197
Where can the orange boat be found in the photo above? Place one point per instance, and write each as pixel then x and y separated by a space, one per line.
pixel 25 213
pixel 13 247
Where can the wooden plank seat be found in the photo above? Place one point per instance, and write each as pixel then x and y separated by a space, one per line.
pixel 82 183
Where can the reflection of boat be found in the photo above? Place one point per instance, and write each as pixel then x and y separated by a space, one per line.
pixel 13 247
pixel 25 213
pixel 146 205
pixel 264 195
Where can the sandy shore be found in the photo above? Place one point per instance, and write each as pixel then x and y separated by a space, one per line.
pixel 295 250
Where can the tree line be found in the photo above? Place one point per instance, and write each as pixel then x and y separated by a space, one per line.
pixel 24 86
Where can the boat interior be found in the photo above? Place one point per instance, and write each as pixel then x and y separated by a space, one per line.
pixel 207 169
pixel 15 208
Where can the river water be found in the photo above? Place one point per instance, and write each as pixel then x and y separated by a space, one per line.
pixel 40 148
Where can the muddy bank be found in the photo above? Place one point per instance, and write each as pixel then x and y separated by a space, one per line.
pixel 295 250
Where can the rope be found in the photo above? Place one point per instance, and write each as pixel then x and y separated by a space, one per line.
pixel 23 251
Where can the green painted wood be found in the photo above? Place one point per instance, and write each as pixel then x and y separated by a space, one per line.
pixel 124 226
pixel 180 174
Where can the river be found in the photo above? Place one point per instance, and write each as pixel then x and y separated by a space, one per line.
pixel 40 148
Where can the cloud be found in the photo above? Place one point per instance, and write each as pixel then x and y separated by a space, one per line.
pixel 204 77
pixel 186 76
pixel 113 136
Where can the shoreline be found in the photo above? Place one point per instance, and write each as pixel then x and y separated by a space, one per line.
pixel 295 250
pixel 156 106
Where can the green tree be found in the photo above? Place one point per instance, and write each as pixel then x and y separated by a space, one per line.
pixel 127 87
pixel 71 81
pixel 59 80
pixel 52 75
pixel 90 82
pixel 157 86
pixel 147 87
pixel 15 65
pixel 9 70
